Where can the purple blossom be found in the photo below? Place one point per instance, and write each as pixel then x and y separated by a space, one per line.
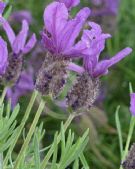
pixel 61 32
pixel 2 6
pixel 132 104
pixel 19 16
pixel 22 87
pixel 18 43
pixel 70 3
pixel 95 41
pixel 3 56
pixel 109 7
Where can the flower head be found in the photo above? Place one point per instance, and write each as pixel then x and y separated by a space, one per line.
pixel 22 87
pixel 61 32
pixel 3 56
pixel 95 41
pixel 132 104
pixel 70 3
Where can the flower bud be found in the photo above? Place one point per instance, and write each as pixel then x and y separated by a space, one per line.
pixel 83 93
pixel 52 75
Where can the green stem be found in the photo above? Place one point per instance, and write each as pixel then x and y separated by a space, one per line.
pixel 50 152
pixel 21 127
pixel 131 129
pixel 29 136
pixel 1 160
pixel 3 96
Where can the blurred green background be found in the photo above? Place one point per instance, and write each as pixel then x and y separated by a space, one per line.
pixel 103 149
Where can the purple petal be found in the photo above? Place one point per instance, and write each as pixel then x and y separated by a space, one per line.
pixel 70 3
pixel 9 31
pixel 2 6
pixel 79 50
pixel 55 18
pixel 95 41
pixel 75 68
pixel 3 56
pixel 72 29
pixel 20 40
pixel 30 44
pixel 102 67
pixel 132 104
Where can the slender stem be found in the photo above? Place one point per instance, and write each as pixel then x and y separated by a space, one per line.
pixel 1 160
pixel 50 152
pixel 3 95
pixel 131 129
pixel 30 133
pixel 26 115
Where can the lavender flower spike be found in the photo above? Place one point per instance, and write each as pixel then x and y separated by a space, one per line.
pixel 22 87
pixel 70 3
pixel 95 41
pixel 132 104
pixel 2 6
pixel 18 43
pixel 3 56
pixel 61 32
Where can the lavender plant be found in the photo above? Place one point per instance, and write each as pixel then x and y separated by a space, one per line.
pixel 65 42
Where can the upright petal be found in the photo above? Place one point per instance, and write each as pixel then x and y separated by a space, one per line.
pixel 9 31
pixel 3 56
pixel 72 30
pixel 70 3
pixel 132 103
pixel 20 40
pixel 102 67
pixel 30 44
pixel 95 41
pixel 55 18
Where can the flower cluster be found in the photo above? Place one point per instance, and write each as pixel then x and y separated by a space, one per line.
pixel 59 38
pixel 64 39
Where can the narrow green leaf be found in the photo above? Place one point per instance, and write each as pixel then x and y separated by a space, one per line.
pixel 55 152
pixel 118 125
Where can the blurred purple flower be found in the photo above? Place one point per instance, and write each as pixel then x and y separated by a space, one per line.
pixel 61 32
pixel 107 7
pixel 3 56
pixel 132 104
pixel 24 85
pixel 19 16
pixel 18 43
pixel 2 6
pixel 70 3
pixel 95 41
pixel 19 47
